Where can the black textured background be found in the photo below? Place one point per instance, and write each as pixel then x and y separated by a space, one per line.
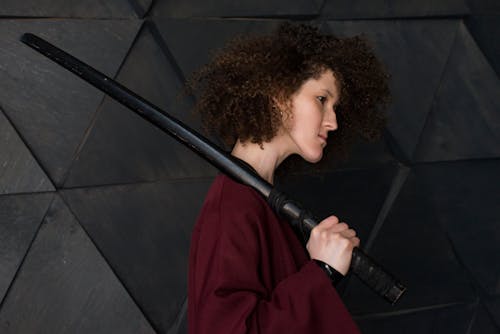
pixel 97 206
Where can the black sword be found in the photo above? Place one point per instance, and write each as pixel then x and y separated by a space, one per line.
pixel 367 270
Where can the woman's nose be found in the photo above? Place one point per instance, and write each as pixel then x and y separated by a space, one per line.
pixel 330 120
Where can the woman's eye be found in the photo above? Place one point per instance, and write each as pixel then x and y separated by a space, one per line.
pixel 321 99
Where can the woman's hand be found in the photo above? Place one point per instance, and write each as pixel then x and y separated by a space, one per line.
pixel 332 242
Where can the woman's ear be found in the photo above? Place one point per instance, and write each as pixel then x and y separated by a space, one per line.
pixel 280 104
pixel 284 107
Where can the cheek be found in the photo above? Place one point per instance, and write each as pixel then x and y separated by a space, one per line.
pixel 303 121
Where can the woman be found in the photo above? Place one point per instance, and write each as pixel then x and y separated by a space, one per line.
pixel 272 97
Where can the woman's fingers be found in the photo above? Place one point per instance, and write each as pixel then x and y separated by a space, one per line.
pixel 332 241
pixel 356 241
pixel 348 233
pixel 332 225
pixel 328 222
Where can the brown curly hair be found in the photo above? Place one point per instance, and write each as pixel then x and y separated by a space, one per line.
pixel 239 87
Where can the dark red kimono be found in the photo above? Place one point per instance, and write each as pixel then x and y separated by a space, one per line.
pixel 248 272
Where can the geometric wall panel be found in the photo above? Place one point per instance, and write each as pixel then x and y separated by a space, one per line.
pixel 65 286
pixel 20 217
pixel 19 171
pixel 125 148
pixel 464 122
pixel 411 238
pixel 50 107
pixel 67 8
pixel 414 53
pixel 143 231
pixel 226 8
pixel 349 9
pixel 465 201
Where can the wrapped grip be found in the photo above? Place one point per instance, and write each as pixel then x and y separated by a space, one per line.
pixel 377 278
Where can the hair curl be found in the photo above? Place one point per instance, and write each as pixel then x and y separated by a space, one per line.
pixel 238 88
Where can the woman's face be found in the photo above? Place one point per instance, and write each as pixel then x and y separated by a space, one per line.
pixel 312 116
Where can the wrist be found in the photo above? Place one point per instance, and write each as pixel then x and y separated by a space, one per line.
pixel 334 276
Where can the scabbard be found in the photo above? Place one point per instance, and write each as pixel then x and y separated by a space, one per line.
pixel 365 268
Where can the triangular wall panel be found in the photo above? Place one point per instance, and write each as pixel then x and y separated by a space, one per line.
pixel 124 147
pixel 49 106
pixel 464 122
pixel 143 231
pixel 63 268
pixel 19 171
pixel 20 218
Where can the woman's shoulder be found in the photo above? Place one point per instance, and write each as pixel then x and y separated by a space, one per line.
pixel 231 192
pixel 232 210
pixel 227 195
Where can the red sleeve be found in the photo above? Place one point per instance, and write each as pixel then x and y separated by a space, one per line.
pixel 231 294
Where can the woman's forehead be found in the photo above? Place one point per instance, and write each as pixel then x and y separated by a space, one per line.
pixel 326 82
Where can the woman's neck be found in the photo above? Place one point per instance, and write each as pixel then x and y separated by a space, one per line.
pixel 263 158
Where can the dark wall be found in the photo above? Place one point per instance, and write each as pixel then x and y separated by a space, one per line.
pixel 97 206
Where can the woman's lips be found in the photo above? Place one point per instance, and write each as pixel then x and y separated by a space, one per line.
pixel 323 138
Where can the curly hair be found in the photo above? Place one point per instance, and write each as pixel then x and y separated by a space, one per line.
pixel 240 86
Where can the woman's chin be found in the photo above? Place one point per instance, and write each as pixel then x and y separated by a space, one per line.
pixel 313 158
